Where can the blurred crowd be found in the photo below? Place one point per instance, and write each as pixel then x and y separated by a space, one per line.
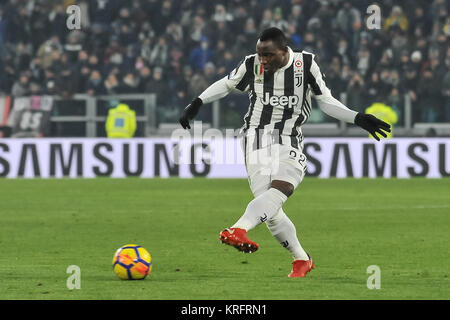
pixel 176 48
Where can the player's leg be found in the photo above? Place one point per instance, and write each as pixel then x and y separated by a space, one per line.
pixel 288 176
pixel 269 197
pixel 259 183
pixel 292 167
pixel 284 231
pixel 260 180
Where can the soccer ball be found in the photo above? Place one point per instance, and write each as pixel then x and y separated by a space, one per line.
pixel 132 262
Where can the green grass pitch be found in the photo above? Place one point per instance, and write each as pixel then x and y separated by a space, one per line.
pixel 347 225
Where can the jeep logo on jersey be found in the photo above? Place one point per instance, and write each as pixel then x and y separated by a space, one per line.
pixel 282 101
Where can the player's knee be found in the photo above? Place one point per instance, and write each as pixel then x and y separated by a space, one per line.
pixel 285 187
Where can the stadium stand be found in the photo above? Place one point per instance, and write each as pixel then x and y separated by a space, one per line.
pixel 175 48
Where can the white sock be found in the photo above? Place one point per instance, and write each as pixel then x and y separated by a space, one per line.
pixel 284 231
pixel 261 209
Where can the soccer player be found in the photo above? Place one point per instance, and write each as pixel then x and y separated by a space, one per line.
pixel 280 83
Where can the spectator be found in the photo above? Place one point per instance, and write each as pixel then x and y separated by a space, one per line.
pixel 410 83
pixel 159 86
pixel 447 59
pixel 197 84
pixel 363 61
pixel 159 54
pixel 74 44
pixel 66 82
pixel 439 22
pixel 439 47
pixel 346 75
pixel 162 17
pixel 95 84
pixel 112 84
pixel 396 19
pixel 278 20
pixel 93 62
pixel 219 53
pixel 386 60
pixel 376 46
pixel 422 47
pixel 420 20
pixel 250 29
pixel 446 27
pixel 309 42
pixel 294 38
pixel 129 83
pixel 297 17
pixel 219 31
pixel 174 34
pixel 196 29
pixel 35 89
pixel 267 20
pixel 240 16
pixel 225 65
pixel 429 102
pixel 355 93
pixel 344 51
pixel 83 71
pixel 437 68
pixel 347 17
pixel 57 21
pixel 395 101
pixel 102 12
pixel 404 62
pixel 201 55
pixel 221 15
pixel 38 23
pixel 373 89
pixel 446 96
pixel 22 56
pixel 182 88
pixel 49 50
pixel 416 61
pixel 398 45
pixel 145 75
pixel 21 87
pixel 210 72
pixel 385 82
pixel 394 79
pixel 36 71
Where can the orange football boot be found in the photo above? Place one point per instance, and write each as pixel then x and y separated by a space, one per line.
pixel 238 238
pixel 301 267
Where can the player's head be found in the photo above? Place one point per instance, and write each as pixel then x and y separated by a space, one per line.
pixel 272 49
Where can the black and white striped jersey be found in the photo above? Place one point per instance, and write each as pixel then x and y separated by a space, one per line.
pixel 280 102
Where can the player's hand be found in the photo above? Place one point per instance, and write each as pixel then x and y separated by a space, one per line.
pixel 190 112
pixel 372 124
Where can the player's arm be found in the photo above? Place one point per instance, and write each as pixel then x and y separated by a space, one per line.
pixel 219 89
pixel 336 109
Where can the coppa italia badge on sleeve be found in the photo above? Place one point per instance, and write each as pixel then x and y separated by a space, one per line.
pixel 259 72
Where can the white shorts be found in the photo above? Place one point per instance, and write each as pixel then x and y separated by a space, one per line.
pixel 272 162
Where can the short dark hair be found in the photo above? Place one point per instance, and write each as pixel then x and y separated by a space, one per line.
pixel 275 35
